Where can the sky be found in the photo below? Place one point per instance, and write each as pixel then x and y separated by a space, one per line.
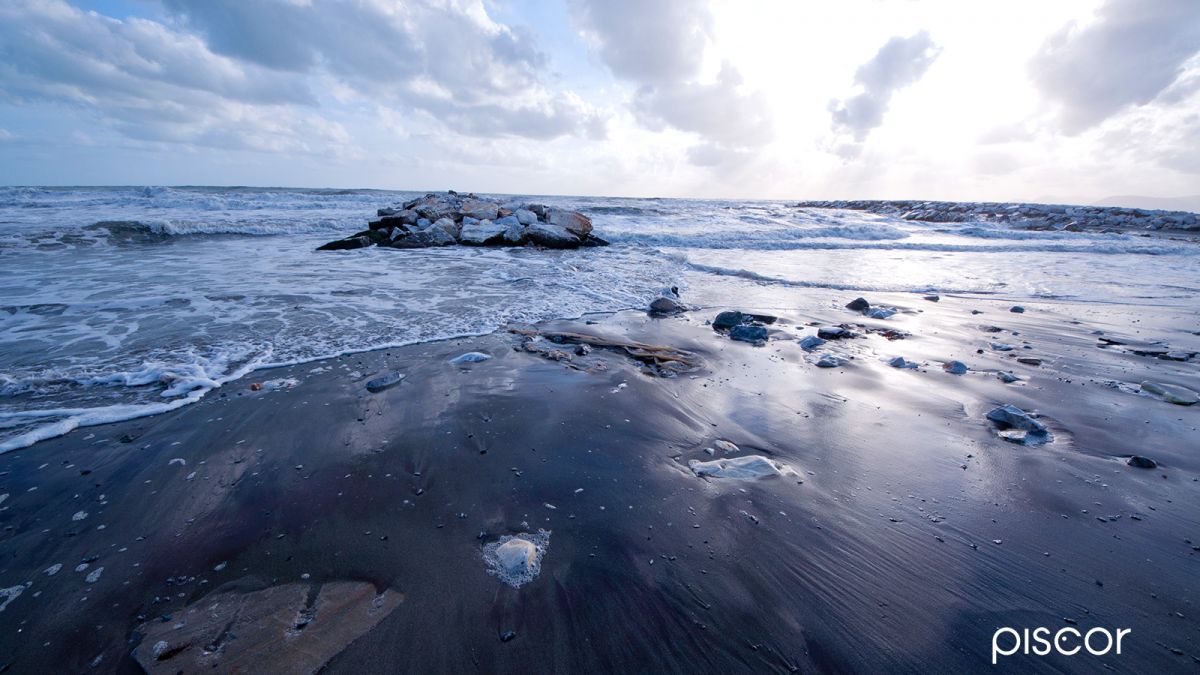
pixel 1070 100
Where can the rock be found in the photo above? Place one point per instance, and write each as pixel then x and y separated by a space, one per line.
pixel 346 244
pixel 1141 462
pixel 725 446
pixel 746 333
pixel 833 333
pixel 481 233
pixel 574 222
pixel 1016 426
pixel 881 312
pixel 748 467
pixel 525 216
pixel 900 362
pixel 1171 393
pixel 811 342
pixel 431 236
pixel 516 556
pixel 551 236
pixel 384 382
pixel 1007 377
pixel 295 628
pixel 480 209
pixel 828 361
pixel 448 226
pixel 470 357
pixel 933 298
pixel 955 367
pixel 727 320
pixel 1017 309
pixel 1029 360
pixel 515 235
pixel 665 306
pixel 858 305
pixel 1001 347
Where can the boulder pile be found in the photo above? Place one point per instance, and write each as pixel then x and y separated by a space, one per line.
pixel 1024 216
pixel 471 220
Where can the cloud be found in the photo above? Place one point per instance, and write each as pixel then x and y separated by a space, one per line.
pixel 899 63
pixel 251 74
pixel 1133 51
pixel 660 47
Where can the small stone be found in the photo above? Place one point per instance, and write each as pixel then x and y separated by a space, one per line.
pixel 753 334
pixel 470 357
pixel 833 333
pixel 727 320
pixel 955 367
pixel 858 305
pixel 664 306
pixel 933 298
pixel 901 362
pixel 1029 360
pixel 811 342
pixel 507 635
pixel 383 382
pixel 1006 376
pixel 828 361
pixel 1017 309
pixel 1141 462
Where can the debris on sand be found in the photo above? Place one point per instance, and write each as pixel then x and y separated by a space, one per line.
pixel 384 382
pixel 470 357
pixel 1017 426
pixel 659 360
pixel 665 306
pixel 257 631
pixel 1171 393
pixel 748 467
pixel 517 559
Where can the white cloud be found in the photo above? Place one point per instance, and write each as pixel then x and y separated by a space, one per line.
pixel 899 63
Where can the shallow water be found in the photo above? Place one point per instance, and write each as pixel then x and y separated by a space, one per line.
pixel 119 302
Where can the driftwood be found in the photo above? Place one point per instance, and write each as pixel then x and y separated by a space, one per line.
pixel 660 360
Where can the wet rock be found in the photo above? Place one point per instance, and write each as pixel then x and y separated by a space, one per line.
pixel 665 306
pixel 811 342
pixel 1171 393
pixel 1017 426
pixel 427 238
pixel 517 559
pixel 448 226
pixel 384 382
pixel 901 362
pixel 858 305
pixel 955 367
pixel 1001 347
pixel 574 222
pixel 834 333
pixel 470 357
pixel 481 233
pixel 346 244
pixel 881 312
pixel 479 209
pixel 748 333
pixel 727 320
pixel 933 298
pixel 525 216
pixel 515 234
pixel 748 467
pixel 828 361
pixel 1007 377
pixel 551 236
pixel 1029 360
pixel 1017 309
pixel 1141 462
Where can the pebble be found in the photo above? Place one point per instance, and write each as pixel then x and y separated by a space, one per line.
pixel 828 361
pixel 470 357
pixel 811 342
pixel 383 382
pixel 1141 462
pixel 955 367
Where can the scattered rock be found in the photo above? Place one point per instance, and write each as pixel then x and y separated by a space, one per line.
pixel 727 320
pixel 725 446
pixel 665 306
pixel 1141 462
pixel 933 298
pixel 383 382
pixel 551 236
pixel 1171 393
pixel 1029 360
pixel 955 367
pixel 901 362
pixel 811 342
pixel 858 305
pixel 834 333
pixel 1017 426
pixel 1007 377
pixel 747 467
pixel 747 333
pixel 1017 309
pixel 881 312
pixel 1001 347
pixel 828 361
pixel 481 233
pixel 470 357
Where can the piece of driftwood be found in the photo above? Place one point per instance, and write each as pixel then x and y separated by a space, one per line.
pixel 661 360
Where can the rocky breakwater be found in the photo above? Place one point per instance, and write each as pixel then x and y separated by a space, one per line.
pixel 470 220
pixel 1024 216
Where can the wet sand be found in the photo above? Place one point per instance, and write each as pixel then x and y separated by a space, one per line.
pixel 907 535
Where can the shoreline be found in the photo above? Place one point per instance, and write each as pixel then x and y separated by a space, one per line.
pixel 878 552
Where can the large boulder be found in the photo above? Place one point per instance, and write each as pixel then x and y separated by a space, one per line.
pixel 481 233
pixel 347 244
pixel 448 226
pixel 574 222
pixel 480 209
pixel 434 236
pixel 551 236
pixel 525 216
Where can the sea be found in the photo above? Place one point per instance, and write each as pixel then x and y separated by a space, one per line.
pixel 122 302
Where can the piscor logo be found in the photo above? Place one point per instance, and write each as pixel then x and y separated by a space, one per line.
pixel 1066 641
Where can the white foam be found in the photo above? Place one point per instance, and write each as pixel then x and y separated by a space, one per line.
pixel 517 559
pixel 747 467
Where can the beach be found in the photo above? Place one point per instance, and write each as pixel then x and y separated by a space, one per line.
pixel 897 529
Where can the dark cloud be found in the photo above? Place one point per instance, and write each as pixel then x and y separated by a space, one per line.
pixel 1132 52
pixel 899 63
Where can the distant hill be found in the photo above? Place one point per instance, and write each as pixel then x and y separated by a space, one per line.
pixel 1191 203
